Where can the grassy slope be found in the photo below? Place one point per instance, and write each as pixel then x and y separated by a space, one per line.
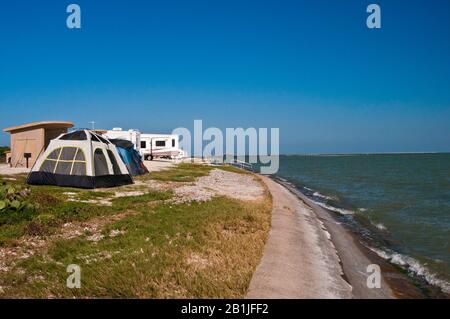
pixel 189 250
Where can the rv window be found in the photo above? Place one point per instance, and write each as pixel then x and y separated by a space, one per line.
pixel 173 142
pixel 143 144
pixel 112 158
pixel 100 164
pixel 160 143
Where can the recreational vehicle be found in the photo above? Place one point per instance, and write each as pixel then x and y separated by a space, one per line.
pixel 132 135
pixel 150 145
pixel 160 145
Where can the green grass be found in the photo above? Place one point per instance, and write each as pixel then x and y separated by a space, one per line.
pixel 89 195
pixel 187 172
pixel 233 169
pixel 54 209
pixel 183 172
pixel 204 250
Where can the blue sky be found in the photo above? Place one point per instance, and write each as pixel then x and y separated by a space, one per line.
pixel 311 68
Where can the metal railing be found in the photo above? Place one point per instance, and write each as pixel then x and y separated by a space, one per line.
pixel 235 163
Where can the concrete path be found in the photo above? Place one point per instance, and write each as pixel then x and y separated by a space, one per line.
pixel 307 253
pixel 354 260
pixel 299 260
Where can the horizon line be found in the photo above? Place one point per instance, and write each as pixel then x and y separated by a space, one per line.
pixel 338 154
pixel 370 153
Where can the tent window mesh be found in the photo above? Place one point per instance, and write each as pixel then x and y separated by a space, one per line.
pixel 74 136
pixel 79 156
pixel 79 169
pixel 63 160
pixel 94 138
pixel 48 166
pixel 68 153
pixel 100 164
pixel 102 139
pixel 63 168
pixel 115 166
pixel 54 154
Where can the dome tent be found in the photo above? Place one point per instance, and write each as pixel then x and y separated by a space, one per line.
pixel 80 159
pixel 130 157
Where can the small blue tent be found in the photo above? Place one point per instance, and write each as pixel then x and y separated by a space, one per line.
pixel 130 157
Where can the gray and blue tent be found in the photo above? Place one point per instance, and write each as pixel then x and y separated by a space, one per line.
pixel 131 157
pixel 81 159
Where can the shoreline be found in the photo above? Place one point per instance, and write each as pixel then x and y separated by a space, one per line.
pixel 299 261
pixel 349 245
pixel 311 253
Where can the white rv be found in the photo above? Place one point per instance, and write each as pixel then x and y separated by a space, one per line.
pixel 132 135
pixel 150 145
pixel 160 145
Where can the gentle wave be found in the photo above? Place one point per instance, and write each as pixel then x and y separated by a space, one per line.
pixel 334 209
pixel 380 226
pixel 413 266
pixel 371 189
pixel 317 194
pixel 324 205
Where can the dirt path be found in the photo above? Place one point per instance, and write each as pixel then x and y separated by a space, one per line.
pixel 159 165
pixel 299 260
pixel 6 170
